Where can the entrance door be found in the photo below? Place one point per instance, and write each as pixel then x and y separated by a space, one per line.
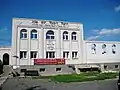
pixel 6 59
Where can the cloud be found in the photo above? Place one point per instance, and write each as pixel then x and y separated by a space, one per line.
pixel 104 32
pixel 93 37
pixel 117 9
pixel 115 31
pixel 3 29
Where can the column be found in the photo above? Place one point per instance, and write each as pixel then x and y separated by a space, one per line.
pixel 29 62
pixel 18 46
pixel 58 43
pixel 41 43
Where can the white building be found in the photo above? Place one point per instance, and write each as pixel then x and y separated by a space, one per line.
pixel 47 40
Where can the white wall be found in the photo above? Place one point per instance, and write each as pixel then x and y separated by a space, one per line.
pixel 108 57
pixel 40 44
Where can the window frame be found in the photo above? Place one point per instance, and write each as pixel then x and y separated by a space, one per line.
pixel 93 48
pixel 58 69
pixel 75 54
pixel 50 35
pixel 113 49
pixel 33 56
pixel 34 34
pixel 42 69
pixel 23 54
pixel 74 36
pixel 23 34
pixel 104 46
pixel 65 53
pixel 65 35
pixel 116 67
pixel 50 54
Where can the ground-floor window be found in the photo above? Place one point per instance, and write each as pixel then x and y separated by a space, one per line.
pixel 65 54
pixel 58 69
pixel 23 70
pixel 116 66
pixel 105 67
pixel 42 69
pixel 50 54
pixel 23 54
pixel 33 54
pixel 74 54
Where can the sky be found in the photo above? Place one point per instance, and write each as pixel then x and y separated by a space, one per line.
pixel 100 18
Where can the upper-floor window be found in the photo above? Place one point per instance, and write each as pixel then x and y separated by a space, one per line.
pixel 113 48
pixel 93 48
pixel 23 33
pixel 74 35
pixel 50 35
pixel 103 48
pixel 34 34
pixel 65 35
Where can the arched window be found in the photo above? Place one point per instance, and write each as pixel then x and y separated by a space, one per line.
pixel 50 34
pixel 113 48
pixel 74 35
pixel 113 45
pixel 65 35
pixel 23 33
pixel 103 48
pixel 93 48
pixel 34 34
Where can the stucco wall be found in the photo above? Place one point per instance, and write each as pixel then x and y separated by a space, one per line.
pixel 98 57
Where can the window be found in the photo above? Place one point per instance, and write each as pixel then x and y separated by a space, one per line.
pixel 34 34
pixel 23 70
pixel 33 54
pixel 23 33
pixel 105 66
pixel 58 69
pixel 50 54
pixel 116 66
pixel 113 48
pixel 50 35
pixel 74 36
pixel 103 48
pixel 65 54
pixel 74 54
pixel 93 48
pixel 65 35
pixel 23 54
pixel 42 69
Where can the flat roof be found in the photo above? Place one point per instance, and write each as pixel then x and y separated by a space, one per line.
pixel 46 20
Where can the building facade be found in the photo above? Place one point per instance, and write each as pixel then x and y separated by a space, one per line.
pixel 46 39
pixel 50 43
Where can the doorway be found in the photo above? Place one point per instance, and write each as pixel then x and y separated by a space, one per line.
pixel 6 59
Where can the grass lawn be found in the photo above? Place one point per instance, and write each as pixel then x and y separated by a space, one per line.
pixel 89 76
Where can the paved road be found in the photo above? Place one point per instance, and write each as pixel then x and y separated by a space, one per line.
pixel 29 84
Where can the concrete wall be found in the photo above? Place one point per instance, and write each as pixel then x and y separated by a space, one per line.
pixel 49 69
pixel 98 57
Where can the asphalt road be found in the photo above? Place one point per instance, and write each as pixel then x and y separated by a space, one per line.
pixel 34 84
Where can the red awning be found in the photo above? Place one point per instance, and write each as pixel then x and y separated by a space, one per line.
pixel 54 61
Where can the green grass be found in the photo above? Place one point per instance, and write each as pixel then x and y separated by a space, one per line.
pixel 89 76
